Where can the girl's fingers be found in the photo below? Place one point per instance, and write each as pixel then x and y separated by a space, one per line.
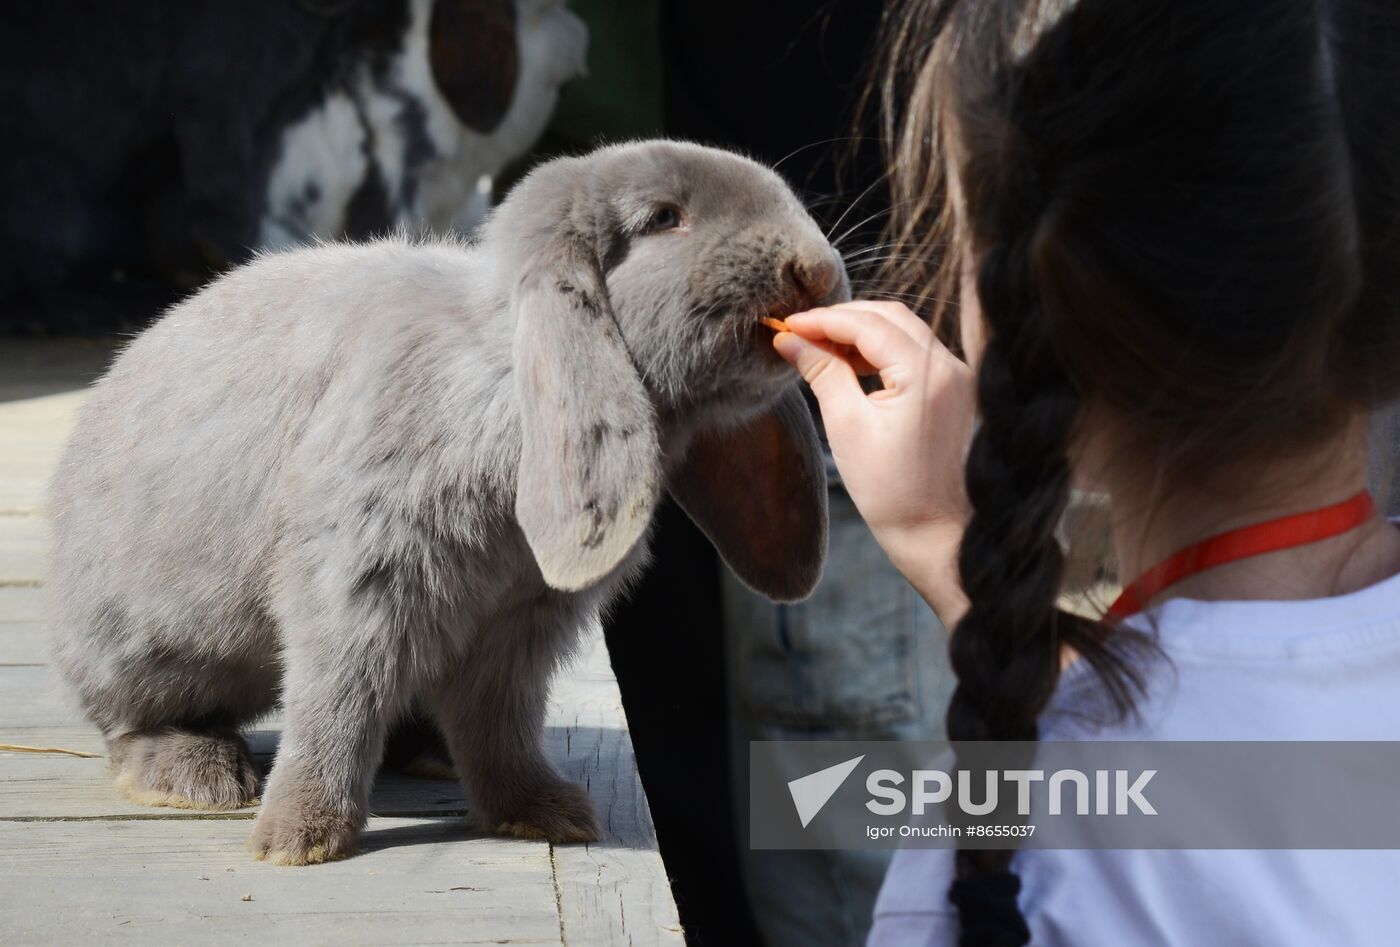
pixel 879 340
pixel 896 312
pixel 857 361
pixel 830 376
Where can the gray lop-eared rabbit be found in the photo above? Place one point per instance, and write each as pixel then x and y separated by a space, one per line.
pixel 370 478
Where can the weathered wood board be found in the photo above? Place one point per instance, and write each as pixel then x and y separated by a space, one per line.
pixel 158 881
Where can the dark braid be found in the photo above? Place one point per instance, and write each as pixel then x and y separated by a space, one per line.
pixel 1006 651
pixel 1008 647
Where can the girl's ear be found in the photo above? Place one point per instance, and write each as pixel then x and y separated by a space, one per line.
pixel 589 474
pixel 759 492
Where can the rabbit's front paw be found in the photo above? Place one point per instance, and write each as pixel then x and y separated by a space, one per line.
pixel 303 834
pixel 560 812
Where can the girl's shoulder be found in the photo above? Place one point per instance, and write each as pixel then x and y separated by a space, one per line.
pixel 1313 669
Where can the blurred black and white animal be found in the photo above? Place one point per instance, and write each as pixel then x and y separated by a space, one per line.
pixel 147 140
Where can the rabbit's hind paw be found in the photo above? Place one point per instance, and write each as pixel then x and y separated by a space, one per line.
pixel 184 769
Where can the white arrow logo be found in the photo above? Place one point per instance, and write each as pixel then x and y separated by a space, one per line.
pixel 811 792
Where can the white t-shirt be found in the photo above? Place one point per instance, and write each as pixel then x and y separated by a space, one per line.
pixel 1322 669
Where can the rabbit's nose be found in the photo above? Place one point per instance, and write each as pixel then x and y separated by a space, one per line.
pixel 813 278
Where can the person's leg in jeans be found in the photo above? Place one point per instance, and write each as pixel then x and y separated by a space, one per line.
pixel 1385 459
pixel 779 81
pixel 863 658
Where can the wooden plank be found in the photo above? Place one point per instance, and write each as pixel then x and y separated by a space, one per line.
pixel 38 711
pixel 23 642
pixel 418 881
pixel 21 605
pixel 615 892
pixel 24 549
pixel 33 700
pixel 24 639
pixel 584 736
pixel 24 487
pixel 53 786
pixel 38 405
pixel 615 895
pixel 34 697
pixel 41 422
pixel 81 737
pixel 609 893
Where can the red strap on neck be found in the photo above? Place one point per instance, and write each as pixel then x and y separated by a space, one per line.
pixel 1286 532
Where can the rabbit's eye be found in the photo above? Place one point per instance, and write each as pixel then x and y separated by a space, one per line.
pixel 664 218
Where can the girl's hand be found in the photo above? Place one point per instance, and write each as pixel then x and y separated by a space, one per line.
pixel 901 450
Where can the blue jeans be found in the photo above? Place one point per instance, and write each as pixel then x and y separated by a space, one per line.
pixel 863 658
pixel 1385 458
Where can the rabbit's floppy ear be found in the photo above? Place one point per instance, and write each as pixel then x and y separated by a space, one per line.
pixel 759 492
pixel 590 469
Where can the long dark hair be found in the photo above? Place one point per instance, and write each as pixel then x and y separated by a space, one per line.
pixel 1184 211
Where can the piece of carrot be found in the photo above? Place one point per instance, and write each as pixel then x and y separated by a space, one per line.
pixel 777 325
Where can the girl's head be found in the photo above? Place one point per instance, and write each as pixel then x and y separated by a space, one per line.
pixel 1198 200
pixel 1180 220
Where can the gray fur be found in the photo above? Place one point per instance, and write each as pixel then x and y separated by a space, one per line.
pixel 368 476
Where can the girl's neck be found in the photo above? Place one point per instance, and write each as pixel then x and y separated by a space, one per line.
pixel 1147 530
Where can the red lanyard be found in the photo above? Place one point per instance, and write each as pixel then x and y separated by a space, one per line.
pixel 1286 532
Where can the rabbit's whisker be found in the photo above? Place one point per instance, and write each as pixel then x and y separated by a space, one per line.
pixel 879 213
pixel 867 268
pixel 865 192
pixel 869 253
pixel 882 212
pixel 812 144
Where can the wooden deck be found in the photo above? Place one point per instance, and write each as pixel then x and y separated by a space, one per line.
pixel 82 865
